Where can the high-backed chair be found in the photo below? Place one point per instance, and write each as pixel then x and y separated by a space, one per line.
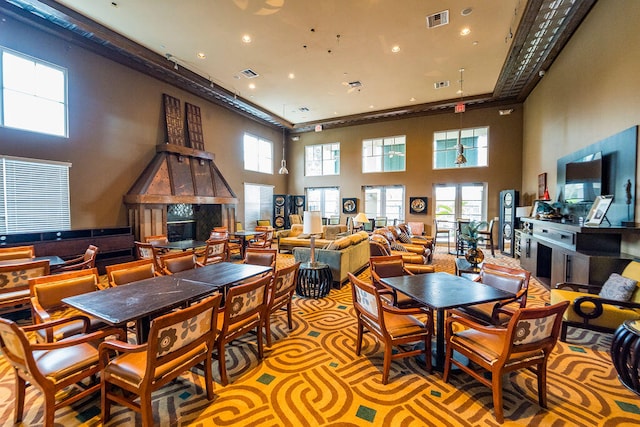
pixel 47 293
pixel 263 223
pixel 245 310
pixel 280 295
pixel 127 272
pixel 175 262
pixel 148 251
pixel 526 342
pixel 264 239
pixel 487 235
pixel 217 250
pixel 513 280
pixel 595 308
pixel 52 367
pixel 17 252
pixel 160 239
pixel 14 292
pixel 259 256
pixel 295 219
pixel 178 341
pixel 440 231
pixel 82 262
pixel 390 266
pixel 394 327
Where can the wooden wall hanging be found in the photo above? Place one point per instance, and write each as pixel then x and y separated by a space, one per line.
pixel 194 126
pixel 173 120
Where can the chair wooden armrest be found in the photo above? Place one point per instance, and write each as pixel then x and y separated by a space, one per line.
pixel 50 323
pixel 405 311
pixel 40 315
pixel 465 321
pixel 407 272
pixel 579 287
pixel 73 264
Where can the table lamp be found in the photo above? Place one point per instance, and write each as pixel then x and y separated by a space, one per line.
pixel 361 218
pixel 312 225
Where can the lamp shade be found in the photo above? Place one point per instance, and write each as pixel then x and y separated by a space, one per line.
pixel 361 218
pixel 312 223
pixel 523 211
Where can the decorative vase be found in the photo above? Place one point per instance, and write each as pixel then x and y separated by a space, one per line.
pixel 474 255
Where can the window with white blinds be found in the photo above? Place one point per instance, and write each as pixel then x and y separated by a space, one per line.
pixel 34 195
pixel 258 204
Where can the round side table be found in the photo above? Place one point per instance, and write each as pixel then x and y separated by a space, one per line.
pixel 625 352
pixel 314 280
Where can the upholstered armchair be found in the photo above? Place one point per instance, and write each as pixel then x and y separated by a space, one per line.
pixel 17 252
pixel 81 262
pixel 597 308
pixel 14 283
pixel 415 263
pixel 175 262
pixel 391 233
pixel 405 232
pixel 127 272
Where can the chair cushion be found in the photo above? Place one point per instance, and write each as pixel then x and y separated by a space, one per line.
pixel 489 346
pixel 58 364
pixel 133 274
pixel 618 288
pixel 50 295
pixel 400 325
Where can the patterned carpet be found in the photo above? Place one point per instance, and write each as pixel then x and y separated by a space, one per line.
pixel 312 377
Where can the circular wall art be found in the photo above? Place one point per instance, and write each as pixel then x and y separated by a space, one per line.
pixel 418 205
pixel 349 205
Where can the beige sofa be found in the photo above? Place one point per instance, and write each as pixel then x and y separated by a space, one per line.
pixel 349 254
pixel 293 238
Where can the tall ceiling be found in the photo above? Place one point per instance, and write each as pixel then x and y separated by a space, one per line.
pixel 328 62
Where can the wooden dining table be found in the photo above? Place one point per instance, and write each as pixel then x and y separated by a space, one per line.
pixel 54 260
pixel 181 245
pixel 143 300
pixel 245 236
pixel 442 291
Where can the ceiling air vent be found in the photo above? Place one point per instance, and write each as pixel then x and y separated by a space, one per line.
pixel 440 85
pixel 249 73
pixel 438 19
pixel 355 84
pixel 303 109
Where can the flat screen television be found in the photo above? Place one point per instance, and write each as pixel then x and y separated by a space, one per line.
pixel 583 178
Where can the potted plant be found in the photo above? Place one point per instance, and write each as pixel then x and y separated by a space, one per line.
pixel 470 234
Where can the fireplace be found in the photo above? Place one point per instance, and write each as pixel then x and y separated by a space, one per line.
pixel 181 194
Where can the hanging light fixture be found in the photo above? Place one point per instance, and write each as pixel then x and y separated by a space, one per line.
pixel 283 164
pixel 459 109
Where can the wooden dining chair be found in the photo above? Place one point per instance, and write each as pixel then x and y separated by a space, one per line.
pixel 259 256
pixel 525 342
pixel 52 366
pixel 440 231
pixel 394 327
pixel 390 266
pixel 127 272
pixel 280 296
pixel 487 235
pixel 178 341
pixel 14 283
pixel 244 310
pixel 217 250
pixel 17 252
pixel 512 280
pixel 175 262
pixel 264 239
pixel 47 293
pixel 148 251
pixel 85 261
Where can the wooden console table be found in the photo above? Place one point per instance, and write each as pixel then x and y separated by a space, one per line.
pixel 556 252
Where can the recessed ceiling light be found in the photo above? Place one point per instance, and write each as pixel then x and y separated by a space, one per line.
pixel 246 38
pixel 292 76
pixel 201 55
pixel 505 112
pixel 370 106
pixel 252 86
pixel 465 31
pixel 395 49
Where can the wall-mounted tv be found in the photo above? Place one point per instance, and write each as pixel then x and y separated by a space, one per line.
pixel 583 179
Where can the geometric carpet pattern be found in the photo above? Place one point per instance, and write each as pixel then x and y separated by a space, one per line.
pixel 312 377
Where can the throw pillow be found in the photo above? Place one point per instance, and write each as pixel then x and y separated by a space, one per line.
pixel 398 247
pixel 303 236
pixel 404 238
pixel 618 288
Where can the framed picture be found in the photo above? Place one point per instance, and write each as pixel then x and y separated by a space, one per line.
pixel 542 184
pixel 349 205
pixel 598 211
pixel 418 205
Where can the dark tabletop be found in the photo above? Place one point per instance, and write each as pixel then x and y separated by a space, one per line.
pixel 53 260
pixel 182 244
pixel 140 299
pixel 245 233
pixel 223 273
pixel 444 290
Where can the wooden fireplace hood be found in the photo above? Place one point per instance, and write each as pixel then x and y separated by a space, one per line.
pixel 179 174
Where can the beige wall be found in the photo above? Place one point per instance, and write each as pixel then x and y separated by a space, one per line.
pixel 591 92
pixel 115 122
pixel 505 160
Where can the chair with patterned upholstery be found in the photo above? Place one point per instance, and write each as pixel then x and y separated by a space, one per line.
pixel 47 293
pixel 175 262
pixel 52 367
pixel 525 342
pixel 86 261
pixel 14 283
pixel 148 251
pixel 178 341
pixel 513 280
pixel 244 310
pixel 17 252
pixel 280 296
pixel 217 250
pixel 394 327
pixel 127 272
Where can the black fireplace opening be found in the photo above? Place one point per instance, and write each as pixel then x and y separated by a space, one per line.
pixel 192 222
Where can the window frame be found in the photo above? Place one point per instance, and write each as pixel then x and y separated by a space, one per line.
pixel 323 202
pixel 39 101
pixel 264 203
pixel 471 143
pixel 383 204
pixel 257 155
pixel 459 201
pixel 375 155
pixel 325 161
